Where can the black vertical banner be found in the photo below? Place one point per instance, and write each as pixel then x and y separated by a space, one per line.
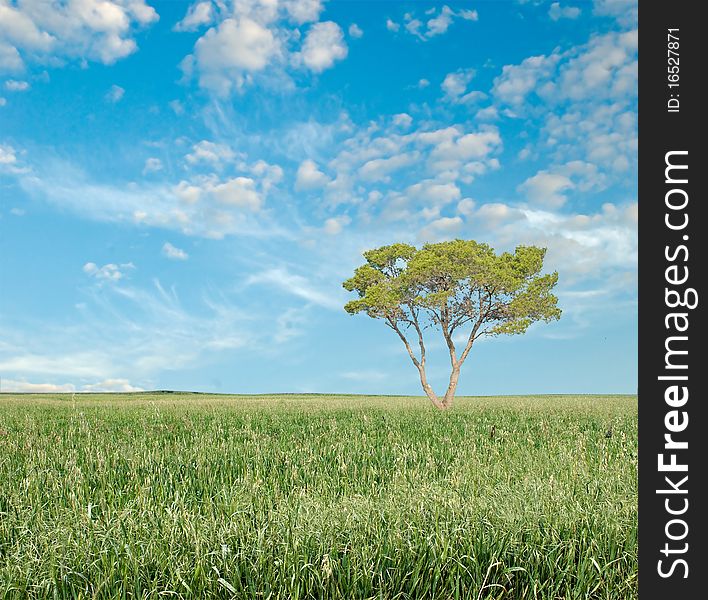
pixel 673 429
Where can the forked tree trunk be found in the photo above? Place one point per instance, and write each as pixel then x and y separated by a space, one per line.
pixel 446 401
pixel 439 404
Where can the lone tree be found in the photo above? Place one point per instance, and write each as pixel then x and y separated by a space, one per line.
pixel 453 286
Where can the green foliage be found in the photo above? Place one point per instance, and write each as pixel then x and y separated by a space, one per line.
pixel 332 497
pixel 456 283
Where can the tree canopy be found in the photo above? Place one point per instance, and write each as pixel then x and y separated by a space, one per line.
pixel 451 286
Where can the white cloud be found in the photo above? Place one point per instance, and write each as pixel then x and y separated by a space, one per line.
pixel 604 68
pixel 423 83
pixel 402 120
pixel 466 206
pixel 585 99
pixel 227 54
pixel 199 14
pixel 490 113
pixel 429 195
pixel 78 364
pixel 547 189
pixel 309 177
pixel 413 26
pixel 13 85
pixel 557 12
pixel 303 11
pixel 335 225
pixel 455 87
pixel 257 42
pixel 188 193
pixel 439 25
pixel 27 387
pixel 625 11
pixel 604 134
pixel 374 154
pixel 452 151
pixel 586 176
pixel 379 169
pixel 97 30
pixel 440 229
pixel 202 205
pixel 210 152
pixel 516 82
pixel 268 175
pixel 454 84
pixel 3 102
pixel 177 107
pixel 8 155
pixel 600 247
pixel 127 334
pixel 323 46
pixel 19 30
pixel 433 192
pixel 524 153
pixel 10 60
pixel 111 385
pixel 436 25
pixel 440 135
pixel 115 94
pixel 152 165
pixel 295 285
pixel 469 14
pixel 10 163
pixel 109 272
pixel 355 31
pixel 589 245
pixel 240 192
pixel 174 253
pixel 493 214
pixel 607 68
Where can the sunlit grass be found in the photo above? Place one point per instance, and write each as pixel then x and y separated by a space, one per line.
pixel 197 496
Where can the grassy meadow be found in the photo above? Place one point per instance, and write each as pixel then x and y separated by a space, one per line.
pixel 199 496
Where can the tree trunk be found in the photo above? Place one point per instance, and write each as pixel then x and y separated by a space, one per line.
pixel 439 404
pixel 452 387
pixel 446 401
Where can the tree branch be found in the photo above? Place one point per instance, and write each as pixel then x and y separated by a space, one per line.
pixel 447 334
pixel 483 314
pixel 392 324
pixel 416 324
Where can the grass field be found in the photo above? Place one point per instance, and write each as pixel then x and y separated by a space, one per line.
pixel 198 496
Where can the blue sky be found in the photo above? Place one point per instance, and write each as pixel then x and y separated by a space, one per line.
pixel 184 187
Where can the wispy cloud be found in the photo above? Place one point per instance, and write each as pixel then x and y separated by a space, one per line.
pixel 296 285
pixel 173 252
pixel 30 387
pixel 109 272
pixel 13 85
pixel 557 12
pixel 208 206
pixel 432 23
pixel 365 376
pixel 126 334
pixel 115 94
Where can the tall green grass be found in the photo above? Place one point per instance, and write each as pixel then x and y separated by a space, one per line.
pixel 187 496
